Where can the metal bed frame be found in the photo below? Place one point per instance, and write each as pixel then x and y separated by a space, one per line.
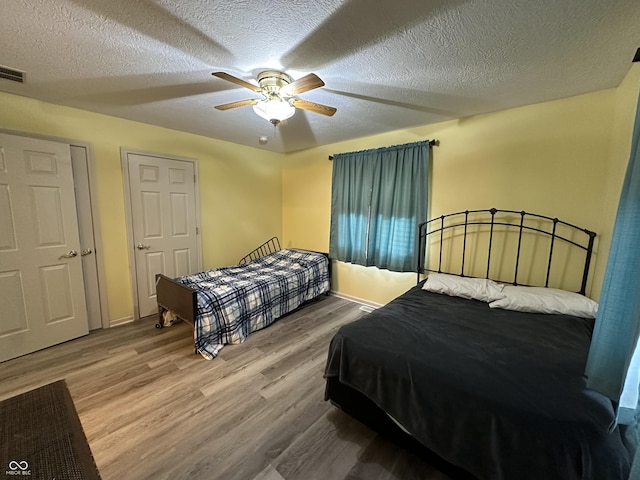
pixel 270 246
pixel 462 220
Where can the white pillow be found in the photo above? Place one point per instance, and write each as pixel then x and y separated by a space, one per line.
pixel 481 289
pixel 546 300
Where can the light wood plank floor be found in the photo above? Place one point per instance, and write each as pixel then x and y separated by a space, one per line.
pixel 152 409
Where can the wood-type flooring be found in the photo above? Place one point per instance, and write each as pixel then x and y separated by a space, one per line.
pixel 152 409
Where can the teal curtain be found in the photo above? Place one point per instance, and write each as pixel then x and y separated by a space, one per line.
pixel 378 198
pixel 612 368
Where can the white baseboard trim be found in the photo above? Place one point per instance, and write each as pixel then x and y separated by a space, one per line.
pixel 121 321
pixel 366 303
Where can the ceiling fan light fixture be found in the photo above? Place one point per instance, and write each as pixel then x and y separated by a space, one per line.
pixel 274 110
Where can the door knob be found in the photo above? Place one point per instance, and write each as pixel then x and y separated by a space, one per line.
pixel 86 251
pixel 141 246
pixel 69 254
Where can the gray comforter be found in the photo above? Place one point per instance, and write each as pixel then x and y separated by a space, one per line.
pixel 499 393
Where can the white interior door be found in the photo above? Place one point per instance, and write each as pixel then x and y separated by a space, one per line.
pixel 42 300
pixel 163 212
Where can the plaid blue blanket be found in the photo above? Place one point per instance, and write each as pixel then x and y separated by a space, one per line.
pixel 235 301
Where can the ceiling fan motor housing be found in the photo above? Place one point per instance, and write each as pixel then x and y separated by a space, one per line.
pixel 272 81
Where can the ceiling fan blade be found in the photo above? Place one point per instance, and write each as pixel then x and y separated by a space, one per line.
pixel 314 107
pixel 237 81
pixel 240 103
pixel 304 84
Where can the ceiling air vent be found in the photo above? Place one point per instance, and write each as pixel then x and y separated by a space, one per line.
pixel 11 74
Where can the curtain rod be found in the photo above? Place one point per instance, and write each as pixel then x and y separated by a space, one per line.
pixel 432 143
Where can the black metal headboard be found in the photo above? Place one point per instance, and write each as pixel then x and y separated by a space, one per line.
pixel 515 224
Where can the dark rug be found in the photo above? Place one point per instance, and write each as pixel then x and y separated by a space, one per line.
pixel 41 437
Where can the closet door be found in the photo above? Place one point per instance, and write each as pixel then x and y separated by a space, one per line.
pixel 42 298
pixel 164 222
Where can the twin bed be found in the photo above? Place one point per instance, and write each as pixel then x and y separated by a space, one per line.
pixel 226 305
pixel 482 363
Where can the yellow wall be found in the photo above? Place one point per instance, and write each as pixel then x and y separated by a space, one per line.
pixel 240 187
pixel 564 159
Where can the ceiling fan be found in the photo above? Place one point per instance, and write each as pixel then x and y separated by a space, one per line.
pixel 278 91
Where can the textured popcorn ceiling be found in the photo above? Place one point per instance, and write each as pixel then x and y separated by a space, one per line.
pixel 387 65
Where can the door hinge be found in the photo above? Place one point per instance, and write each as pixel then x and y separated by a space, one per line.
pixel 197 231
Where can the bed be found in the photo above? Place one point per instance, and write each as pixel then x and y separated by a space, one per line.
pixel 498 393
pixel 225 305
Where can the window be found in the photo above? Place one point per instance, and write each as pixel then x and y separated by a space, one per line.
pixel 378 199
